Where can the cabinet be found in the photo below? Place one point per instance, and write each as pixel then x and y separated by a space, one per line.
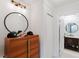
pixel 25 47
pixel 71 43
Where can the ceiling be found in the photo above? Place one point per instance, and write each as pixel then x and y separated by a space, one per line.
pixel 24 1
pixel 58 3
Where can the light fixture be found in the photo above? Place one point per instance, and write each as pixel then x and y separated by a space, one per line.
pixel 21 5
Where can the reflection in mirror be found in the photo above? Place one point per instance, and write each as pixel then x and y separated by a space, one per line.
pixel 71 27
pixel 16 21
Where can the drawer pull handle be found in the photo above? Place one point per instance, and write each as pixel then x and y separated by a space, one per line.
pixel 73 46
pixel 76 46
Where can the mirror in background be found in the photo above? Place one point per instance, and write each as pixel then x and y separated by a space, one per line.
pixel 71 28
pixel 16 21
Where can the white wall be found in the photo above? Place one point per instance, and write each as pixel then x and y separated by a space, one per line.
pixel 50 32
pixel 71 19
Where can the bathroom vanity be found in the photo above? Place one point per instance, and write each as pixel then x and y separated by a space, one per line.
pixel 71 43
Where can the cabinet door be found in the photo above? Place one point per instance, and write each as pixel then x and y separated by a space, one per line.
pixel 75 43
pixel 71 43
pixel 33 48
pixel 16 48
pixel 68 43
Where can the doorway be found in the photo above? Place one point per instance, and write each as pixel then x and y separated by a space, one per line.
pixel 69 29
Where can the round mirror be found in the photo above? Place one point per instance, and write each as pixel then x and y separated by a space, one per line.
pixel 71 27
pixel 16 21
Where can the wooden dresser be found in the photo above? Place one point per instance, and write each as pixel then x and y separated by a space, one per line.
pixel 25 47
pixel 71 43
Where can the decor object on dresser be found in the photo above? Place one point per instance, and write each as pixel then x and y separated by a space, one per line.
pixel 29 33
pixel 15 21
pixel 12 35
pixel 24 47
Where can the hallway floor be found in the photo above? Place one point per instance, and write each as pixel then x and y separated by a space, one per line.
pixel 70 54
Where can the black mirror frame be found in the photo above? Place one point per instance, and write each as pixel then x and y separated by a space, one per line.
pixel 17 13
